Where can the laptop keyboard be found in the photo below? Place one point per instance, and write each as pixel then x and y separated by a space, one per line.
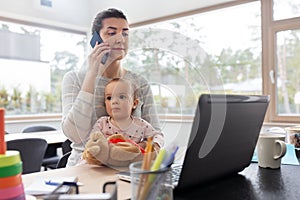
pixel 176 171
pixel 175 174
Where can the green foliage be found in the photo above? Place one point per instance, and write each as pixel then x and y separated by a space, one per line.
pixel 3 97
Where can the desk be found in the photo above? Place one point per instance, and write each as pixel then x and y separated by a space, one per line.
pixel 253 183
pixel 52 137
pixel 92 176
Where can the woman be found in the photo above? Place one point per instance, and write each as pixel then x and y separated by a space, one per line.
pixel 83 92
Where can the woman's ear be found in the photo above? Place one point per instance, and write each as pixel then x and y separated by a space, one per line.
pixel 135 103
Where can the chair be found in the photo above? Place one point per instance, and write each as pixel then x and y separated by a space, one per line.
pixel 32 151
pixel 38 128
pixel 63 160
pixel 66 146
pixel 66 150
pixel 51 158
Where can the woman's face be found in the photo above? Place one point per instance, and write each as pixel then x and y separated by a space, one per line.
pixel 115 32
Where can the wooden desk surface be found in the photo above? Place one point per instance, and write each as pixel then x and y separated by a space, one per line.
pixel 52 137
pixel 93 177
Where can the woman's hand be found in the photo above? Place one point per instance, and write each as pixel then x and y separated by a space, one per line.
pixel 95 65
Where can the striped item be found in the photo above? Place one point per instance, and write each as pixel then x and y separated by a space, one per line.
pixel 11 185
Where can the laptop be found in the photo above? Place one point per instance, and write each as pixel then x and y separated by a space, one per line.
pixel 223 137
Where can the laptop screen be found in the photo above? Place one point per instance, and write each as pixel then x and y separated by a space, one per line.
pixel 223 136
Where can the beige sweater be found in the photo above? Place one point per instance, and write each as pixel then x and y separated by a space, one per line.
pixel 81 109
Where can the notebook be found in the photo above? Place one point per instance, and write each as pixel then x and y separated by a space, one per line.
pixel 42 186
pixel 222 140
pixel 223 137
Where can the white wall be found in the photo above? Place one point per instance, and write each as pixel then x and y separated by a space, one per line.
pixel 78 14
pixel 142 10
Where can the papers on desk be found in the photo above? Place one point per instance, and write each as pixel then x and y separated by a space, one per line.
pixel 42 186
pixel 290 157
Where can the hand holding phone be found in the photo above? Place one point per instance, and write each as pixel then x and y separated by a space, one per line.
pixel 96 38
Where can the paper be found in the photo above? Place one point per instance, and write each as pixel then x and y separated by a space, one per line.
pixel 290 157
pixel 39 186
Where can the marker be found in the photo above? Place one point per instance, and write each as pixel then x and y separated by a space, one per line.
pixel 158 160
pixel 156 165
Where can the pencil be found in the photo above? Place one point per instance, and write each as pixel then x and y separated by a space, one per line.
pixel 149 153
pixel 145 165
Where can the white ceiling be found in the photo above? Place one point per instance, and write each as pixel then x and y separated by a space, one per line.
pixel 79 14
pixel 143 10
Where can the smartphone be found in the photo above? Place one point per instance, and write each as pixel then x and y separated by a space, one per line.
pixel 96 37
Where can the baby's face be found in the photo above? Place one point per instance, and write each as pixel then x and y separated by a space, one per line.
pixel 119 100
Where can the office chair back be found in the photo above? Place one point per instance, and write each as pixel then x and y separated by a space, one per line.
pixel 63 161
pixel 66 146
pixel 51 158
pixel 38 128
pixel 32 151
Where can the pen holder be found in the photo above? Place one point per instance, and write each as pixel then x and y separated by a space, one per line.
pixel 150 185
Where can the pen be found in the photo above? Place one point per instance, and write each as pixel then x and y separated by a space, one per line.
pixel 49 182
pixel 169 160
pixel 52 183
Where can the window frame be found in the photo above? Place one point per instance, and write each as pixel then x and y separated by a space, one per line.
pixel 270 28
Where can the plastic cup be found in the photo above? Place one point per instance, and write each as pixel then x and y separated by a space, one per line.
pixel 154 185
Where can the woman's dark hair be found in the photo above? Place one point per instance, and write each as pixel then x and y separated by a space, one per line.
pixel 109 13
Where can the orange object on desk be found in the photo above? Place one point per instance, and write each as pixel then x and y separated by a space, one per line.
pixel 2 131
pixel 10 181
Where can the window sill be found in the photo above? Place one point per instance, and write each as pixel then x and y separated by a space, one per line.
pixel 33 118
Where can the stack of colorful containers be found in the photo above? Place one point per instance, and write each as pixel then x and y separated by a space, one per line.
pixel 11 185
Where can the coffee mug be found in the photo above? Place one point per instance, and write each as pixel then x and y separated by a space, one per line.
pixel 270 149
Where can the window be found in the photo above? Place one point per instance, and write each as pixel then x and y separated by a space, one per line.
pixel 284 9
pixel 217 51
pixel 245 48
pixel 288 72
pixel 281 39
pixel 33 61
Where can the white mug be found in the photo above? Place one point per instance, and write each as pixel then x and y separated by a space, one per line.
pixel 270 149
